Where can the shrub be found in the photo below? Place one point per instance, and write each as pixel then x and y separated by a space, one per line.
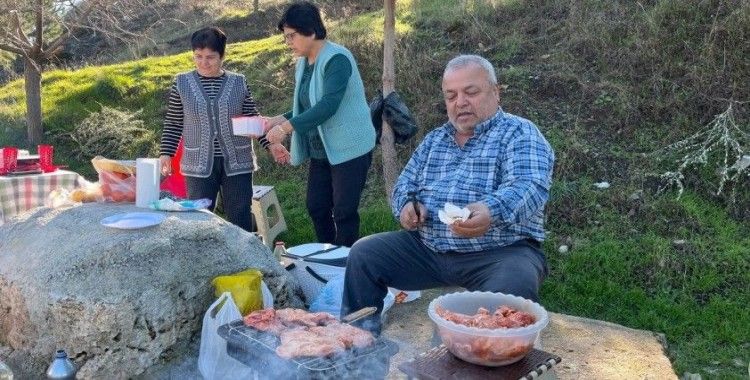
pixel 112 133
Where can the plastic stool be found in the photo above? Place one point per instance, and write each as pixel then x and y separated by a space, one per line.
pixel 269 226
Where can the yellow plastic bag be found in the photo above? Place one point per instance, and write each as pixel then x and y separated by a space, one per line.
pixel 245 289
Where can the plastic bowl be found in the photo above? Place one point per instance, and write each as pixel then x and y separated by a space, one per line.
pixel 488 347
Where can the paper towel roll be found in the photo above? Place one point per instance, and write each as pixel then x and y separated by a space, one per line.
pixel 147 179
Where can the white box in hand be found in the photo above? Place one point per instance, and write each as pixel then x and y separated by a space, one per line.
pixel 247 126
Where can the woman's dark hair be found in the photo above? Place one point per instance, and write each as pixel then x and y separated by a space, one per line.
pixel 304 17
pixel 212 38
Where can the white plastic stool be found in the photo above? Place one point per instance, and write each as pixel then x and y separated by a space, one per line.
pixel 269 226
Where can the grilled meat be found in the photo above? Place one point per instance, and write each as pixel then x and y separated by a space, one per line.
pixel 302 342
pixel 347 334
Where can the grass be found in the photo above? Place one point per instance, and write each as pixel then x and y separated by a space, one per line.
pixel 607 83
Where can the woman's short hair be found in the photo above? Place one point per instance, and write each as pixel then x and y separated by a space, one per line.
pixel 464 60
pixel 211 37
pixel 304 18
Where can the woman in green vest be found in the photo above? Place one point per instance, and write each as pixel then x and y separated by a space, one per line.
pixel 329 124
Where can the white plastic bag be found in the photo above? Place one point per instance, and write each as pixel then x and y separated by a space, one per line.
pixel 213 360
pixel 404 296
pixel 267 295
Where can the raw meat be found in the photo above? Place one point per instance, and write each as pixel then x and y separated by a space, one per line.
pixel 265 320
pixel 503 317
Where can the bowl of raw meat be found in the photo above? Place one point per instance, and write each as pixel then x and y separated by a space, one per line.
pixel 485 328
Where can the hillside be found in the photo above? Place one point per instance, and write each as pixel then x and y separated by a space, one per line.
pixel 609 84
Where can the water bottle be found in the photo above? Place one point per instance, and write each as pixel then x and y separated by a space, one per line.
pixel 5 372
pixel 61 368
pixel 279 250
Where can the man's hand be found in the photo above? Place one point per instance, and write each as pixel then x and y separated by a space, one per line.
pixel 408 217
pixel 478 223
pixel 166 165
pixel 280 153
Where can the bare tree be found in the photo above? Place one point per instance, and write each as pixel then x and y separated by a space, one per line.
pixel 37 30
pixel 387 142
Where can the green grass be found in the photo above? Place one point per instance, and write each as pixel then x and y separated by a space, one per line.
pixel 606 82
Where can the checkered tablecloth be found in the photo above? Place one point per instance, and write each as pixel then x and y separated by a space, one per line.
pixel 25 192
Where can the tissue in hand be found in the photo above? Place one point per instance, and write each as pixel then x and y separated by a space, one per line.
pixel 452 213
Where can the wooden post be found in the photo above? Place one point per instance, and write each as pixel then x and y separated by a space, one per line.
pixel 387 142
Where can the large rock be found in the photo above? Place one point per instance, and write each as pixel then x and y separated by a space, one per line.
pixel 119 301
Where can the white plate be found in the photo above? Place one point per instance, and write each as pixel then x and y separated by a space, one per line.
pixel 133 220
pixel 306 249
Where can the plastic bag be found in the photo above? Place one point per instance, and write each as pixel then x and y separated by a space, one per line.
pixel 213 360
pixel 329 298
pixel 404 296
pixel 175 182
pixel 396 113
pixel 166 204
pixel 245 288
pixel 267 295
pixel 116 178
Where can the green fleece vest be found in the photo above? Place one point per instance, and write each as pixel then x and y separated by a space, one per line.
pixel 349 132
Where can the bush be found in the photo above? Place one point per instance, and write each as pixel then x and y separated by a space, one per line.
pixel 112 133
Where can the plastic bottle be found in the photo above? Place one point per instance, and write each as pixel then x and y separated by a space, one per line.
pixel 61 368
pixel 5 372
pixel 278 250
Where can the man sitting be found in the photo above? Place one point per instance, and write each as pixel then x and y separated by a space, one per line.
pixel 497 165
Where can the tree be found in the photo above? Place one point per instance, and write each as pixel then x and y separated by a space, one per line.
pixel 37 30
pixel 387 142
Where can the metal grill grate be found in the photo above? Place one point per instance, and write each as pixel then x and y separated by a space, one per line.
pixel 257 349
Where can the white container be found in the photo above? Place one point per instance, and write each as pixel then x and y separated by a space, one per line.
pixel 147 178
pixel 489 347
pixel 247 126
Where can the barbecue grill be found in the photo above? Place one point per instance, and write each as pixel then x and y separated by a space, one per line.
pixel 257 349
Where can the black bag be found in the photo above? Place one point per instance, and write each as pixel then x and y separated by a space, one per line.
pixel 395 112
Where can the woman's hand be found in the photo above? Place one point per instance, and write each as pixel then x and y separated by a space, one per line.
pixel 166 165
pixel 280 153
pixel 271 122
pixel 277 134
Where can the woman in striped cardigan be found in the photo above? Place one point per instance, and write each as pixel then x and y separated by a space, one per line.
pixel 201 105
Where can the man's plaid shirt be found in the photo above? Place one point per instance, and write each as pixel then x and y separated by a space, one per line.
pixel 507 164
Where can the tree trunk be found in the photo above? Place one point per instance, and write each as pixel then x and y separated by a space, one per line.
pixel 387 143
pixel 255 5
pixel 32 73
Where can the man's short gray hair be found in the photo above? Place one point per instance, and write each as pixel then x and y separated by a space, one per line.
pixel 470 59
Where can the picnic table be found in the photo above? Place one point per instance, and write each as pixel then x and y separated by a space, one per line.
pixel 19 193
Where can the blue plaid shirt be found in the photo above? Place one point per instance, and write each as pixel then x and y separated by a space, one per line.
pixel 507 164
